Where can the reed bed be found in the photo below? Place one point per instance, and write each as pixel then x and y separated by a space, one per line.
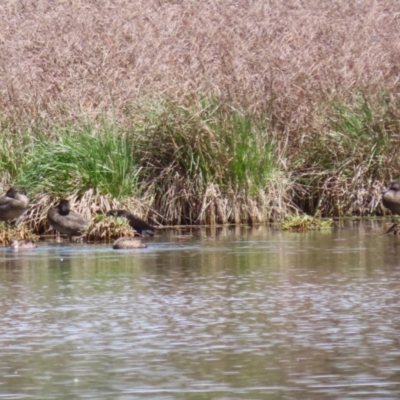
pixel 200 112
pixel 88 57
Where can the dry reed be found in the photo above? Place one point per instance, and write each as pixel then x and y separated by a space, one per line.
pixel 8 232
pixel 90 57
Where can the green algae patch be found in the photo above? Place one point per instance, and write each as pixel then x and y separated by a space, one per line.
pixel 303 223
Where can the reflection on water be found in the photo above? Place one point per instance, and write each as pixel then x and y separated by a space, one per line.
pixel 226 314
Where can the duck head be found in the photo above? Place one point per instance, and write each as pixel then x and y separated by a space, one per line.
pixel 63 207
pixel 394 185
pixel 11 193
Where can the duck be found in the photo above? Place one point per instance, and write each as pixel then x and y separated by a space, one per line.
pixel 391 197
pixel 128 243
pixel 391 200
pixel 12 205
pixel 24 244
pixel 64 220
pixel 136 223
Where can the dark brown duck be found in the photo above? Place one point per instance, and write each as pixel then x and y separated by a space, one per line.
pixel 12 205
pixel 24 244
pixel 391 197
pixel 64 220
pixel 136 223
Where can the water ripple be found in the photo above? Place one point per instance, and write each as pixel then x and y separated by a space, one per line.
pixel 271 316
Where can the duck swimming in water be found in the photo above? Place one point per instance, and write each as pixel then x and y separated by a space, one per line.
pixel 15 244
pixel 12 205
pixel 128 243
pixel 64 220
pixel 136 223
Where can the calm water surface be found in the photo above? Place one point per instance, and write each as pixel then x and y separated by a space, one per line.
pixel 231 314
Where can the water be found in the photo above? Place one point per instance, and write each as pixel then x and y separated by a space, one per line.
pixel 229 314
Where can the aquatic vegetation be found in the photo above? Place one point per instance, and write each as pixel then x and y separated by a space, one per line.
pixel 106 228
pixel 137 224
pixel 20 232
pixel 75 160
pixel 173 121
pixel 210 163
pixel 305 223
pixel 344 164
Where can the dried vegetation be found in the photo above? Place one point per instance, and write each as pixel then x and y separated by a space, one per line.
pixel 8 232
pixel 201 112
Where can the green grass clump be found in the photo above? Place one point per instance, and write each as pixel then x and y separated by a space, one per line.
pixel 13 151
pixel 354 135
pixel 79 160
pixel 209 142
pixel 204 156
pixel 342 166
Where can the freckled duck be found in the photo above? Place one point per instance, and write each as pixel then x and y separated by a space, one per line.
pixel 24 244
pixel 64 220
pixel 12 205
pixel 391 200
pixel 136 223
pixel 128 243
pixel 391 197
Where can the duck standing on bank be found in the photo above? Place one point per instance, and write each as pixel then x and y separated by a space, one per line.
pixel 64 220
pixel 391 197
pixel 12 205
pixel 136 223
pixel 391 200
